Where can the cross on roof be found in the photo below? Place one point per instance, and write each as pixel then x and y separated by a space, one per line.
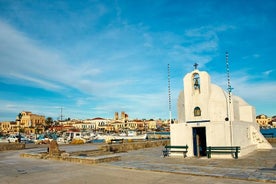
pixel 195 65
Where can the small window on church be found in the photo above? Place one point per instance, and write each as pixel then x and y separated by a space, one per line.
pixel 197 111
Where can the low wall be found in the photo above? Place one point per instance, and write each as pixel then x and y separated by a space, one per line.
pixel 103 154
pixel 271 140
pixel 75 159
pixel 123 147
pixel 11 146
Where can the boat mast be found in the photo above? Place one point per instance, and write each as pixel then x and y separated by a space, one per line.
pixel 61 114
pixel 169 93
pixel 229 89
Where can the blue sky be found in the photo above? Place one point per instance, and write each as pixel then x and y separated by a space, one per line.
pixel 94 58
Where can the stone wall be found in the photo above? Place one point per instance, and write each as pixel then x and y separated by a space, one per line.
pixel 271 140
pixel 103 154
pixel 11 146
pixel 123 147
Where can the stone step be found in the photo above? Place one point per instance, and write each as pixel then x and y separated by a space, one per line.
pixel 75 158
pixel 90 153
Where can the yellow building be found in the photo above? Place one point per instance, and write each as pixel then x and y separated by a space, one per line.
pixel 151 125
pixel 119 126
pixel 5 127
pixel 30 123
pixel 263 120
pixel 8 127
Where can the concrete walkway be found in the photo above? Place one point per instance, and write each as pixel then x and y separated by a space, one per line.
pixel 258 166
pixel 139 166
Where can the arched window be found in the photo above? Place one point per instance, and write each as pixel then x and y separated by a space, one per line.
pixel 197 111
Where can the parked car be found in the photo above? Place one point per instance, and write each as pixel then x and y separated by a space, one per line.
pixel 15 138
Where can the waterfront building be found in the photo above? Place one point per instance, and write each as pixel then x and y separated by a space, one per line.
pixel 84 126
pixel 209 116
pixel 118 125
pixel 8 127
pixel 150 125
pixel 141 125
pixel 28 122
pixel 100 123
pixel 263 120
pixel 124 116
pixel 92 124
pixel 5 127
pixel 116 116
pixel 273 121
pixel 133 124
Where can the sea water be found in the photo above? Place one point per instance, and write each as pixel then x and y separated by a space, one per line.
pixel 268 131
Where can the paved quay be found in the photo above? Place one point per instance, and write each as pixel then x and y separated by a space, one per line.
pixel 139 166
pixel 258 166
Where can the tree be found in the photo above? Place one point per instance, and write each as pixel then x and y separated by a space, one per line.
pixel 20 129
pixel 19 117
pixel 49 122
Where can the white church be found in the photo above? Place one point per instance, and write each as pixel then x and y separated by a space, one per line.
pixel 210 116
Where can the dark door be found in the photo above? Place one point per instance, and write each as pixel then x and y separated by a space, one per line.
pixel 199 141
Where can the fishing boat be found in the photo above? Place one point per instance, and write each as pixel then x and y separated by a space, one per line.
pixel 131 135
pixel 69 136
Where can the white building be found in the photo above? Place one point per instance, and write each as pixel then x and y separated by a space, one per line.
pixel 206 117
pixel 98 123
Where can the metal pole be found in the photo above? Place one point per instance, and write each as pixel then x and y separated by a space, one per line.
pixel 229 89
pixel 169 93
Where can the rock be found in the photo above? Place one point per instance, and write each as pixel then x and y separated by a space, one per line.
pixel 53 149
pixel 65 155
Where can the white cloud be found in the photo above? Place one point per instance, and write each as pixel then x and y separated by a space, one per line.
pixel 32 80
pixel 24 60
pixel 245 86
pixel 268 72
pixel 263 91
pixel 208 32
pixel 21 58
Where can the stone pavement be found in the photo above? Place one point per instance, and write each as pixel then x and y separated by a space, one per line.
pixel 257 166
pixel 139 166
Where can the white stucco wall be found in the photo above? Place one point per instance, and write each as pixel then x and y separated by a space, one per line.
pixel 247 113
pixel 217 134
pixel 181 136
pixel 181 108
pixel 217 104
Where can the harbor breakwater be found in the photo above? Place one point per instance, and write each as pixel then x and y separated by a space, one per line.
pixel 11 146
pixel 104 153
pixel 124 147
pixel 271 140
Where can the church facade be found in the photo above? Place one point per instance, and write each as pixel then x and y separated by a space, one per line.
pixel 209 116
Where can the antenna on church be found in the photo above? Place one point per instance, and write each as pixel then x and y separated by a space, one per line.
pixel 169 93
